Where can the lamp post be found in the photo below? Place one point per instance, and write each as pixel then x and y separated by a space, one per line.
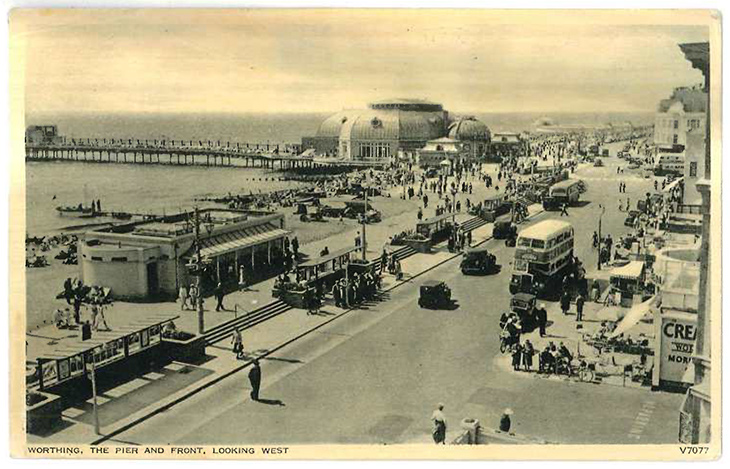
pixel 600 240
pixel 197 270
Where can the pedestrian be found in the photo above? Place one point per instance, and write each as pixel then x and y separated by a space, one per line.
pixel 237 342
pixel 254 377
pixel 219 297
pixel 516 356
pixel 183 297
pixel 565 302
pixel 579 302
pixel 542 319
pixel 439 425
pixel 242 277
pixel 383 260
pixel 505 423
pixel 358 240
pixel 295 247
pixel 193 295
pixel 527 352
pixel 564 210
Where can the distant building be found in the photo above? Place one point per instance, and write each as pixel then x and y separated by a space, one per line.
pixel 508 144
pixel 694 166
pixel 379 132
pixel 42 134
pixel 440 150
pixel 395 128
pixel 683 111
pixel 146 259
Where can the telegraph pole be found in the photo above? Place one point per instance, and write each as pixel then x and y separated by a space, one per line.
pixel 199 271
pixel 97 428
pixel 364 222
pixel 600 240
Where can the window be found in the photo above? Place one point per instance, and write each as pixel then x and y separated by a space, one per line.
pixel 675 139
pixel 538 243
pixel 95 258
pixel 676 124
pixel 119 259
pixel 693 169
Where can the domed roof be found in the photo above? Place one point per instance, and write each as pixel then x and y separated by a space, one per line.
pixel 380 124
pixel 469 128
pixel 332 126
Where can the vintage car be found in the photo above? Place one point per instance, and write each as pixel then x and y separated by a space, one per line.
pixel 523 304
pixel 434 294
pixel 478 260
pixel 358 208
pixel 631 218
pixel 504 229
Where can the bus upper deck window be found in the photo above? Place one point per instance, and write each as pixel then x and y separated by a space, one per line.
pixel 525 242
pixel 538 243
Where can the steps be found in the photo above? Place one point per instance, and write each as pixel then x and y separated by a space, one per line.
pixel 473 224
pixel 264 313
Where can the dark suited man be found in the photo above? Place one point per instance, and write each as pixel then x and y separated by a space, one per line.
pixel 254 376
pixel 542 319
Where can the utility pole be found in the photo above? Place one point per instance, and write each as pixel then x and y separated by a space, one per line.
pixel 600 240
pixel 97 428
pixel 364 222
pixel 199 272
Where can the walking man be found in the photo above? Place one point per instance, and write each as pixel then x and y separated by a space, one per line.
pixel 237 341
pixel 183 296
pixel 542 319
pixel 564 210
pixel 579 308
pixel 565 302
pixel 219 297
pixel 254 377
pixel 439 425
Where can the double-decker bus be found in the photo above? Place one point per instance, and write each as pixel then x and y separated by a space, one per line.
pixel 543 256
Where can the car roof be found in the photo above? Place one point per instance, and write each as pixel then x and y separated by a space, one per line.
pixel 432 283
pixel 523 296
pixel 477 249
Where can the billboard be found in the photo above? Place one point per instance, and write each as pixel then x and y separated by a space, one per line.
pixel 676 332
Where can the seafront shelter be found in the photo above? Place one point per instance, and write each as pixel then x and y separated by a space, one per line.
pixel 148 259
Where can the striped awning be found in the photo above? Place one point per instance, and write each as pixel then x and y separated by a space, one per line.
pixel 240 239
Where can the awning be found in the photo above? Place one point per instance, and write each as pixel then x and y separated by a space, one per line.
pixel 635 314
pixel 240 239
pixel 631 271
pixel 672 185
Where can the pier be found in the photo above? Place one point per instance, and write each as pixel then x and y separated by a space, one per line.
pixel 172 152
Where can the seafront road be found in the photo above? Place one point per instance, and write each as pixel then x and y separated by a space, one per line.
pixel 376 375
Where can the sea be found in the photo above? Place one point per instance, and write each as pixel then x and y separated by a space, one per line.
pixel 168 189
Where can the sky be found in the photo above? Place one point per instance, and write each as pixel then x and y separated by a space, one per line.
pixel 325 60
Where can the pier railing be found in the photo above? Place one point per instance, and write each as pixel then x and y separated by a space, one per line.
pixel 170 152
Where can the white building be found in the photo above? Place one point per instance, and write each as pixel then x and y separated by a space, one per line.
pixel 682 112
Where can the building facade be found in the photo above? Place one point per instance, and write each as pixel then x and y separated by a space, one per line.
pixel 681 113
pixel 695 416
pixel 147 259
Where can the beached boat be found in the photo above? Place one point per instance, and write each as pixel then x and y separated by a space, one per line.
pixel 79 211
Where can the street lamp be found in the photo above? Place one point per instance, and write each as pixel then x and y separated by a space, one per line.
pixel 195 268
pixel 600 240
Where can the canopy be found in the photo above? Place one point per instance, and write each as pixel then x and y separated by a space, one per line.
pixel 329 257
pixel 672 185
pixel 445 163
pixel 75 347
pixel 632 318
pixel 631 271
pixel 240 239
